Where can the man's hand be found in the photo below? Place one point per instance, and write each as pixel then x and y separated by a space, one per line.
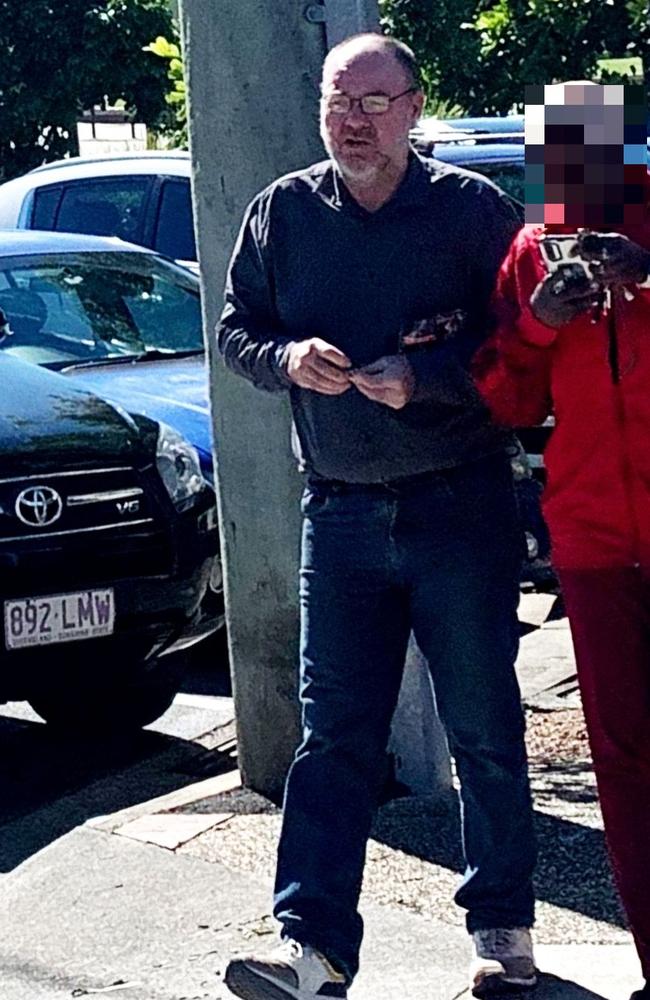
pixel 562 296
pixel 390 380
pixel 615 259
pixel 315 364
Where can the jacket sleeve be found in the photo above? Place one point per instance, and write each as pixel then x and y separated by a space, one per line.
pixel 512 368
pixel 249 333
pixel 442 372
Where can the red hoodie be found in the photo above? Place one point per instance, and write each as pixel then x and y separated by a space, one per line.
pixel 597 498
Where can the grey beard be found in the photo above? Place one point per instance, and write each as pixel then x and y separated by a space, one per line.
pixel 364 174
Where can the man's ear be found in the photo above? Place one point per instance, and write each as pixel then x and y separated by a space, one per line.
pixel 418 105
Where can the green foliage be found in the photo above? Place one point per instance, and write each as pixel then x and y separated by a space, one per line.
pixel 176 98
pixel 61 58
pixel 480 54
pixel 448 53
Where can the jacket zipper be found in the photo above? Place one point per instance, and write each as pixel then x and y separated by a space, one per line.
pixel 613 357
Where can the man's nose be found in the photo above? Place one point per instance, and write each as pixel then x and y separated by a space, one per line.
pixel 356 116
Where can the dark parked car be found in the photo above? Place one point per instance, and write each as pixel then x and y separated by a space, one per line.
pixel 491 146
pixel 108 533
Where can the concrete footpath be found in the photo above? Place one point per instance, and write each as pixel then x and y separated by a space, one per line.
pixel 97 914
pixel 107 911
pixel 149 902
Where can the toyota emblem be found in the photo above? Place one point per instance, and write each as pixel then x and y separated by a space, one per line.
pixel 38 506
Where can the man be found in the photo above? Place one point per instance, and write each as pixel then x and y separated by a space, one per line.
pixel 360 285
pixel 573 335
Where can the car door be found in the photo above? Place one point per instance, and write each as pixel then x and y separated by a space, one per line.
pixel 173 220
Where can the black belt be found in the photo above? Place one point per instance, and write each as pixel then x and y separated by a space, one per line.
pixel 388 485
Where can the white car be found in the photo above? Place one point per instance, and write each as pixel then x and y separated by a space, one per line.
pixel 142 198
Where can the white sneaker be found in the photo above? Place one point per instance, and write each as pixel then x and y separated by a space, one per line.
pixel 502 961
pixel 292 972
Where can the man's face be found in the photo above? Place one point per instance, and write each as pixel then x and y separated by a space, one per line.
pixel 366 145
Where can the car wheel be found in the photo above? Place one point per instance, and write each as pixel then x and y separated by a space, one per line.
pixel 108 710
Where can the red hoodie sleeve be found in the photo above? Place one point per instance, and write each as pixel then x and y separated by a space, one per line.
pixel 512 367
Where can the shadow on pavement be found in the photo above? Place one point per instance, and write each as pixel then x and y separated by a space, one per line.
pixel 553 988
pixel 49 784
pixel 208 670
pixel 571 783
pixel 572 872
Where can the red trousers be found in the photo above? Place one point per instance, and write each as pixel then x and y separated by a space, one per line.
pixel 609 613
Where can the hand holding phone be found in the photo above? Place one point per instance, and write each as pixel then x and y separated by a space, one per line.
pixel 565 294
pixel 614 259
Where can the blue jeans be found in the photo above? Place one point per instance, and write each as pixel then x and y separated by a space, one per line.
pixel 439 554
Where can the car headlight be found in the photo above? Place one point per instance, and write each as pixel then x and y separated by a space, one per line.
pixel 179 467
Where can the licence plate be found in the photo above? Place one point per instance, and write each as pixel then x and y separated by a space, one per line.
pixel 41 621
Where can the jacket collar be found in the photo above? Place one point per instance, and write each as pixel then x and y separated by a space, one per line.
pixel 412 190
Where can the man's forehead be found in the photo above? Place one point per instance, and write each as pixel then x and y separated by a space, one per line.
pixel 377 67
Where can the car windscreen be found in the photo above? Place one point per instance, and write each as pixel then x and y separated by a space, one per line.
pixel 508 176
pixel 66 308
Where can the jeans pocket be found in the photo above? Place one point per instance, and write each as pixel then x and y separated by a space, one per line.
pixel 314 501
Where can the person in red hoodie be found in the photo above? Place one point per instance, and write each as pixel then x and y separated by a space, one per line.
pixel 572 339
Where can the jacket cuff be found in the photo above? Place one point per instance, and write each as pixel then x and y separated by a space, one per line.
pixel 533 332
pixel 280 362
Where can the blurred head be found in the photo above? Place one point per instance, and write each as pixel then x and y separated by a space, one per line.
pixel 586 154
pixel 369 139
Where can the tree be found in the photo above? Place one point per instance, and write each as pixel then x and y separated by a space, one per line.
pixel 448 53
pixel 481 54
pixel 176 98
pixel 60 59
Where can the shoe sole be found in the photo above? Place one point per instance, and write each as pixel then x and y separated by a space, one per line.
pixel 497 986
pixel 249 985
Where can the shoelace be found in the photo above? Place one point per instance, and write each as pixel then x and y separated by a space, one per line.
pixel 290 950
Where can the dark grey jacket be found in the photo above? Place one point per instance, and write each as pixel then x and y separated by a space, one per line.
pixel 310 262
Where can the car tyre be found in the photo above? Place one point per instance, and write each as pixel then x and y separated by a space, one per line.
pixel 111 710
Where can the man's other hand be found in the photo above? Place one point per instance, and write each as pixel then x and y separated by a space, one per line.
pixel 315 364
pixel 562 296
pixel 390 380
pixel 615 259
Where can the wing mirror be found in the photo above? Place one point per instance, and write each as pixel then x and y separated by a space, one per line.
pixel 5 329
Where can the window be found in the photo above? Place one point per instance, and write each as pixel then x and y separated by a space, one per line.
pixel 64 308
pixel 175 229
pixel 104 207
pixel 46 201
pixel 508 176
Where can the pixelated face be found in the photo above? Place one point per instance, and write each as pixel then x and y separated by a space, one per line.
pixel 586 154
pixel 365 145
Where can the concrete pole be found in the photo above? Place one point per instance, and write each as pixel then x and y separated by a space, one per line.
pixel 253 72
pixel 418 744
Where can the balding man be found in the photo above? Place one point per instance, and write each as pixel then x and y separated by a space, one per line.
pixel 360 285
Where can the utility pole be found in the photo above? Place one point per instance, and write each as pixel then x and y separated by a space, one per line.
pixel 253 72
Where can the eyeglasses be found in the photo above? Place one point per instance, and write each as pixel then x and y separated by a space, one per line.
pixel 371 104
